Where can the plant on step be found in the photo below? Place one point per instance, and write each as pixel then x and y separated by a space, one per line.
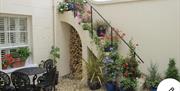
pixel 100 27
pixel 110 46
pixel 55 54
pixel 153 79
pixel 128 84
pixel 94 71
pixel 129 68
pixel 172 71
pixel 112 69
pixel 63 6
pixel 86 26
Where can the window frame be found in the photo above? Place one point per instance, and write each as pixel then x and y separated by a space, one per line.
pixel 28 42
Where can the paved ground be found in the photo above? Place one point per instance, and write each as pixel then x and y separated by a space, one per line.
pixel 73 85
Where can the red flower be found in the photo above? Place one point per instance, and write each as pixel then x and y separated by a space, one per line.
pixel 125 65
pixel 126 74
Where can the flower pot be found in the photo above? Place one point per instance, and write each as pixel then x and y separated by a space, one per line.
pixel 94 85
pixel 108 49
pixel 129 89
pixel 101 32
pixel 71 6
pixel 110 86
pixel 153 89
pixel 18 63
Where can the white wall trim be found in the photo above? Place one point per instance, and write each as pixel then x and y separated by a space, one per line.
pixel 113 2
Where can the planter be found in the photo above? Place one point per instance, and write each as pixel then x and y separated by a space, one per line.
pixel 71 6
pixel 110 86
pixel 101 32
pixel 94 85
pixel 108 49
pixel 129 89
pixel 18 63
pixel 153 89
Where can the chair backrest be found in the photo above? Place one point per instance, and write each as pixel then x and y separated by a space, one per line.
pixel 4 79
pixel 48 64
pixel 20 80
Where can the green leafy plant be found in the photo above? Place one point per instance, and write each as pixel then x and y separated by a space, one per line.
pixel 86 26
pixel 128 84
pixel 153 78
pixel 55 53
pixel 23 53
pixel 94 68
pixel 63 6
pixel 100 23
pixel 172 71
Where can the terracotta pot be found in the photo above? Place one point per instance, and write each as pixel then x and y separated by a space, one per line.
pixel 18 63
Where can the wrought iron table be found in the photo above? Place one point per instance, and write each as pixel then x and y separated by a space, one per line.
pixel 32 71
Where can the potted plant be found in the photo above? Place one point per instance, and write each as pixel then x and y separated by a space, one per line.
pixel 86 26
pixel 110 46
pixel 100 27
pixel 128 84
pixel 55 54
pixel 111 70
pixel 153 79
pixel 94 71
pixel 172 71
pixel 21 55
pixel 7 61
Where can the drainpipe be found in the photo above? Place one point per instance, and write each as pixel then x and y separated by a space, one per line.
pixel 54 21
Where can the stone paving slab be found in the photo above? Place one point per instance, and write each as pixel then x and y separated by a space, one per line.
pixel 73 85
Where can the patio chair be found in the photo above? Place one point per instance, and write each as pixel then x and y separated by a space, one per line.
pixel 48 64
pixel 5 82
pixel 21 82
pixel 47 80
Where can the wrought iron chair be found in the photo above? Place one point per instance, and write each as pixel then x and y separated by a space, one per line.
pixel 48 64
pixel 21 81
pixel 47 80
pixel 5 82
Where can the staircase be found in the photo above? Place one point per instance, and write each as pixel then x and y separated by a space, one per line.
pixel 76 19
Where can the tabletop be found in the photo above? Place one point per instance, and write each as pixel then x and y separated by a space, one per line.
pixel 32 70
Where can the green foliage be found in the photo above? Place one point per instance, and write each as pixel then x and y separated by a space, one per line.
pixel 172 71
pixel 63 6
pixel 55 53
pixel 94 68
pixel 100 23
pixel 153 79
pixel 113 44
pixel 128 83
pixel 23 53
pixel 86 26
pixel 113 68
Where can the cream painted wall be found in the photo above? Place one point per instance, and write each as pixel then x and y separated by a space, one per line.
pixel 153 24
pixel 42 23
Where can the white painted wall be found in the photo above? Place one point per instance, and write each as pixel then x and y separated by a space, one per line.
pixel 153 24
pixel 42 23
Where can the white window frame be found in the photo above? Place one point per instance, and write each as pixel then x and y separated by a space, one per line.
pixel 28 44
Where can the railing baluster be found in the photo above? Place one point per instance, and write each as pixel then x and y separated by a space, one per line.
pixel 92 21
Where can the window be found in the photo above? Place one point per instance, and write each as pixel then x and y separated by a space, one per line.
pixel 14 34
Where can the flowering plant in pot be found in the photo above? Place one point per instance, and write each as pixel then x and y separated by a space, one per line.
pixel 128 84
pixel 7 61
pixel 111 70
pixel 100 27
pixel 110 46
pixel 153 79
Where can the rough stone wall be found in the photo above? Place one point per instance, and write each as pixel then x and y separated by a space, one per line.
pixel 75 55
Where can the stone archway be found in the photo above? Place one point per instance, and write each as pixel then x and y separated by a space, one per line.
pixel 75 55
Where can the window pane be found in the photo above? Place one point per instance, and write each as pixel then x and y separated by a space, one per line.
pixel 23 24
pixel 2 24
pixel 12 24
pixel 12 37
pixel 23 37
pixel 2 38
